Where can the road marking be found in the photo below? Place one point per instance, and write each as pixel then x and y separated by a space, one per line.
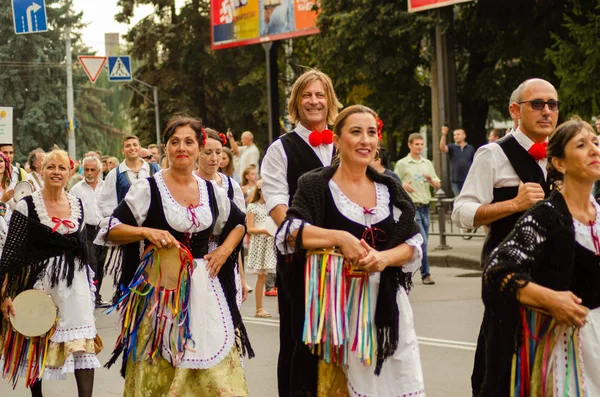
pixel 452 344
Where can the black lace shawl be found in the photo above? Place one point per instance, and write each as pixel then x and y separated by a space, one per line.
pixel 29 249
pixel 540 249
pixel 308 206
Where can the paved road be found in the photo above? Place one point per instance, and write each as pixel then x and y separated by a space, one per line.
pixel 447 317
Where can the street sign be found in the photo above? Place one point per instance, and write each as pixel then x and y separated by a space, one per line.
pixel 6 125
pixel 92 66
pixel 422 5
pixel 29 16
pixel 119 68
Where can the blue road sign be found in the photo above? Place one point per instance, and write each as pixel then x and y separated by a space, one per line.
pixel 29 16
pixel 119 68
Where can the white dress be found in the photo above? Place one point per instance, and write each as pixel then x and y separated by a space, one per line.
pixel 261 250
pixel 401 374
pixel 75 303
pixel 590 333
pixel 211 324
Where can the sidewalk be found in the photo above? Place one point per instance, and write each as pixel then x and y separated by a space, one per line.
pixel 463 253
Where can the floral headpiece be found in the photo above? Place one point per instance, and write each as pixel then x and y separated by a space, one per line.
pixel 379 129
pixel 223 139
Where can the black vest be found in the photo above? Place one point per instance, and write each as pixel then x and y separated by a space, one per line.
pixel 528 170
pixel 198 242
pixel 301 159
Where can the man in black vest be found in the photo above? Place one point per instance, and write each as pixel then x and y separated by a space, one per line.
pixel 312 106
pixel 507 178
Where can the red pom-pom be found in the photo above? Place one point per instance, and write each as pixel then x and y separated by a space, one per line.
pixel 327 137
pixel 315 138
pixel 223 139
pixel 538 151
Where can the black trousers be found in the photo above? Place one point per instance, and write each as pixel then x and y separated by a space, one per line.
pixel 96 257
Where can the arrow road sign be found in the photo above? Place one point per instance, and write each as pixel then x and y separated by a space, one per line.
pixel 29 16
pixel 92 66
pixel 119 68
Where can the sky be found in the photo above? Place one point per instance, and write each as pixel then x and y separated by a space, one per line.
pixel 101 19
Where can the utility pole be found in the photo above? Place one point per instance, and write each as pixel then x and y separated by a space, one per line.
pixel 70 106
pixel 155 102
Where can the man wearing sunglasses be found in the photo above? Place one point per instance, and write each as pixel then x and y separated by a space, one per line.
pixel 507 178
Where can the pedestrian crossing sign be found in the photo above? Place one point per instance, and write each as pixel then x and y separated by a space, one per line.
pixel 119 68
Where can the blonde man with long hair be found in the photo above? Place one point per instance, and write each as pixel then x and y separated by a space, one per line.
pixel 312 106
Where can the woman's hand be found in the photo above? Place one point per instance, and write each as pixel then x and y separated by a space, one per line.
pixel 160 238
pixel 7 308
pixel 7 195
pixel 216 259
pixel 351 247
pixel 375 261
pixel 566 308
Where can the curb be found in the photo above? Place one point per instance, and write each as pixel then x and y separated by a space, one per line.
pixel 447 259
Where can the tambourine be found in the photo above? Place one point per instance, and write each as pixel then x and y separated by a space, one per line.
pixel 35 313
pixel 163 269
pixel 23 189
pixel 350 270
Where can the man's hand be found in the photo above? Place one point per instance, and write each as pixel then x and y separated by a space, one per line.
pixel 445 130
pixel 408 187
pixel 230 135
pixel 529 194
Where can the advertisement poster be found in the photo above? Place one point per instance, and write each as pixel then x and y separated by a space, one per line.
pixel 243 22
pixel 6 125
pixel 422 5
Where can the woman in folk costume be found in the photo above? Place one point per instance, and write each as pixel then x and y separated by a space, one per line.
pixel 371 219
pixel 540 286
pixel 185 342
pixel 209 161
pixel 45 250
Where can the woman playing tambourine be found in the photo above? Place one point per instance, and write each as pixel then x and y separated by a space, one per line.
pixel 195 353
pixel 45 250
pixel 371 219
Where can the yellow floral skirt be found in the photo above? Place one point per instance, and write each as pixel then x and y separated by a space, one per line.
pixel 158 377
pixel 331 381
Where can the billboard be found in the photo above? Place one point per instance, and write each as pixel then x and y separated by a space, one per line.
pixel 421 5
pixel 236 23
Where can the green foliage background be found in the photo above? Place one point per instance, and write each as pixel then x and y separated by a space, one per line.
pixel 375 51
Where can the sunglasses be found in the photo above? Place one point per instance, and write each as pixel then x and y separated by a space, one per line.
pixel 538 104
pixel 150 157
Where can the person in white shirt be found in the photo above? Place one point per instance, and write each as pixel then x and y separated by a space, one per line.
pixel 507 178
pixel 312 106
pixel 118 180
pixel 35 159
pixel 86 190
pixel 248 153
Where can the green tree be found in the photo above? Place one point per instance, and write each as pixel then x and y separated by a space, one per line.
pixel 577 60
pixel 226 89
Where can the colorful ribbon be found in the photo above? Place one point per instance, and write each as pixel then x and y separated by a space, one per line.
pixel 331 293
pixel 169 310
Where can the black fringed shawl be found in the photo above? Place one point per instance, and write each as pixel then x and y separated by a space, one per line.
pixel 124 261
pixel 542 249
pixel 30 246
pixel 308 206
